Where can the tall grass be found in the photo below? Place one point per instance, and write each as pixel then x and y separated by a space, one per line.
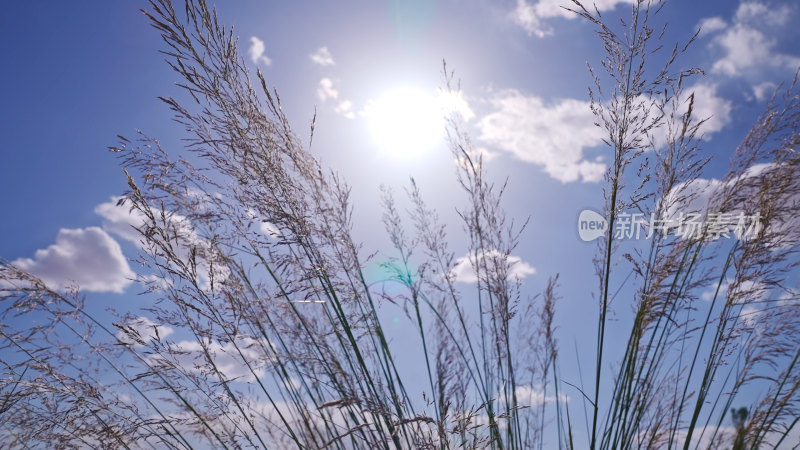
pixel 255 366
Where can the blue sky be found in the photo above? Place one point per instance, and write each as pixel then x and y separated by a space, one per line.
pixel 77 74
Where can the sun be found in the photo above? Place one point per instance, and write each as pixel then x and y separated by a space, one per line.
pixel 406 122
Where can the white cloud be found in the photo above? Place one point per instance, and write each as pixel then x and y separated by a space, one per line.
pixel 155 283
pixel 744 48
pixel 708 106
pixel 463 271
pixel 454 103
pixel 550 135
pixel 120 220
pixel 748 316
pixel 764 90
pixel 696 197
pixel 88 257
pixel 325 89
pixel 747 48
pixel 322 57
pixel 526 397
pixel 701 437
pixel 755 12
pixel 142 329
pixel 256 52
pixel 226 356
pixel 771 438
pixel 531 16
pixel 474 154
pixel 788 295
pixel 748 290
pixel 328 413
pixel 554 135
pixel 530 397
pixel 712 24
pixel 269 230
pixel 517 268
pixel 345 108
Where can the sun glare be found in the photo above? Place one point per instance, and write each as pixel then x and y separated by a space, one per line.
pixel 407 122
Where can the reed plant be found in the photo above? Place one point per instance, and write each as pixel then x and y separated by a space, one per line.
pixel 282 338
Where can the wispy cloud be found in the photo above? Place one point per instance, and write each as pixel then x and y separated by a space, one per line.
pixel 322 57
pixel 88 257
pixel 256 52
